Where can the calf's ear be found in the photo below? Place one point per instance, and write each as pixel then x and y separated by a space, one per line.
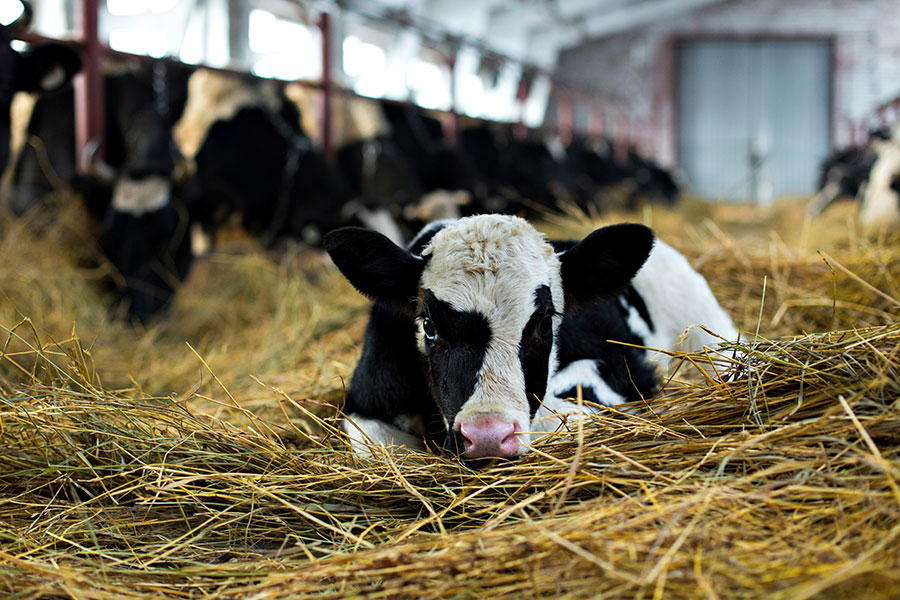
pixel 604 261
pixel 375 265
pixel 47 68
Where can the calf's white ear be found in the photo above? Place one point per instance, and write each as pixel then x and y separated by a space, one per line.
pixel 375 265
pixel 604 261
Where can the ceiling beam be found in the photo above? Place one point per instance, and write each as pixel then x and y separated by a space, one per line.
pixel 570 9
pixel 636 15
pixel 459 17
pixel 545 43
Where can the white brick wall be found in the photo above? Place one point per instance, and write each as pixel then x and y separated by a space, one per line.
pixel 633 73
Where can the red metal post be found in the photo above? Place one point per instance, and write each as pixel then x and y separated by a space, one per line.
pixel 621 138
pixel 89 93
pixel 520 131
pixel 596 121
pixel 327 87
pixel 450 119
pixel 565 117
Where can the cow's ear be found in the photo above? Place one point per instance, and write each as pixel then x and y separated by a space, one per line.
pixel 375 265
pixel 47 68
pixel 604 261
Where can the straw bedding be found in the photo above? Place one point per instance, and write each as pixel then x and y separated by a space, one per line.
pixel 136 465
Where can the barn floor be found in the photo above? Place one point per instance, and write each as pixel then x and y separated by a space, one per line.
pixel 196 458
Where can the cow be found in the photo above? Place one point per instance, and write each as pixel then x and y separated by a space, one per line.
pixel 142 101
pixel 520 176
pixel 382 180
pixel 254 159
pixel 845 172
pixel 133 193
pixel 640 178
pixel 880 207
pixel 43 69
pixel 438 165
pixel 482 328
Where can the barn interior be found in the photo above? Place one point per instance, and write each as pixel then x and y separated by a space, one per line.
pixel 171 429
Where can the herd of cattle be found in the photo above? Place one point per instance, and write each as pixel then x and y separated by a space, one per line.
pixel 253 160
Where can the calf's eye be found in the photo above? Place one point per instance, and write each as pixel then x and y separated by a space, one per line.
pixel 545 329
pixel 429 330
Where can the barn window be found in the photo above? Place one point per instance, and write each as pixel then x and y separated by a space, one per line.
pixel 284 49
pixel 51 18
pixel 137 40
pixel 500 97
pixel 428 80
pixel 121 8
pixel 10 11
pixel 534 108
pixel 365 64
pixel 486 86
pixel 151 27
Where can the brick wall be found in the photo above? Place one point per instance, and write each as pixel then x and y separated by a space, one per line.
pixel 633 74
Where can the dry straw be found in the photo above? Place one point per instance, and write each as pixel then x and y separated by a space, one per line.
pixel 134 466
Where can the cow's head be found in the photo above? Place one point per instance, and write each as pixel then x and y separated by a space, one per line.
pixel 488 294
pixel 141 160
pixel 45 68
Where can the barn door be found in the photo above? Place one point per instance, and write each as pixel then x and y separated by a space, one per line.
pixel 753 117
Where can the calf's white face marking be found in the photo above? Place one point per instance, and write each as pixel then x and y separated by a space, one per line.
pixel 487 272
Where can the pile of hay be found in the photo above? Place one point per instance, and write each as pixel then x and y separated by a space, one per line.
pixel 136 466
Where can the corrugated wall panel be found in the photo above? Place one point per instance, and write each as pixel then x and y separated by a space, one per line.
pixel 753 117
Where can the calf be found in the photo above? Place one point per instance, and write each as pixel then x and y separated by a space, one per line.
pixel 482 328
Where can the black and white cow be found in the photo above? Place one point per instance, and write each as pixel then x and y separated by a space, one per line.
pixel 845 172
pixel 482 328
pixel 437 164
pixel 869 174
pixel 133 194
pixel 42 69
pixel 254 159
pixel 880 207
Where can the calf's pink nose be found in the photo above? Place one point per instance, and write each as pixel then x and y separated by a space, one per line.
pixel 488 436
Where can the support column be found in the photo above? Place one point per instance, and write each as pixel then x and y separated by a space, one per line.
pixel 89 92
pixel 621 138
pixel 565 117
pixel 327 86
pixel 597 123
pixel 450 121
pixel 524 88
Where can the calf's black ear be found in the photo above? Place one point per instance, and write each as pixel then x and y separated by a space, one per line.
pixel 375 265
pixel 47 68
pixel 604 261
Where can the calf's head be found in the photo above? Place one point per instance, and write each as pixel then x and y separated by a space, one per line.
pixel 487 295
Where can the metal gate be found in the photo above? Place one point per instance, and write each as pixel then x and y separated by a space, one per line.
pixel 753 117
